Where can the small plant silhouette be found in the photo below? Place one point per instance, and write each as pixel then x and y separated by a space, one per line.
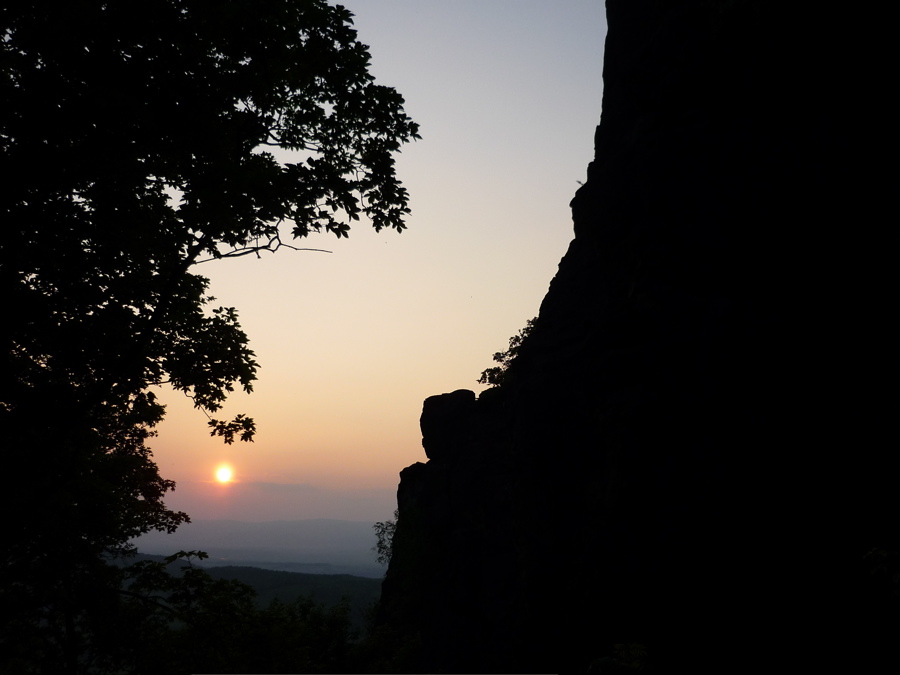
pixel 497 375
pixel 384 531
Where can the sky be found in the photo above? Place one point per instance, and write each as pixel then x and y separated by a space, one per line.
pixel 507 95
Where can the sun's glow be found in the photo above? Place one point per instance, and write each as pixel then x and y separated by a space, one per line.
pixel 224 474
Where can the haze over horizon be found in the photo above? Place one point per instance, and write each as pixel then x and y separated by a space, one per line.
pixel 350 343
pixel 316 546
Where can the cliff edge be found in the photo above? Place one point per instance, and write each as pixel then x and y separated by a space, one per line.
pixel 690 457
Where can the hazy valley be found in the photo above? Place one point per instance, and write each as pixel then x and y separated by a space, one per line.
pixel 321 546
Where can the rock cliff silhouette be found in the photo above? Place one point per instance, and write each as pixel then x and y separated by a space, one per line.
pixel 692 450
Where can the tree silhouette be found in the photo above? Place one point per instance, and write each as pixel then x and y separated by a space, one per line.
pixel 384 533
pixel 497 375
pixel 137 140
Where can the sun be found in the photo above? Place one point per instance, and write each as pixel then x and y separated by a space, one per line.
pixel 223 474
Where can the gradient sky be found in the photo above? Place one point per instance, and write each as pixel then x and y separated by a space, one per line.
pixel 507 94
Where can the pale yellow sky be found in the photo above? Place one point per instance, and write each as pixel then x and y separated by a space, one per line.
pixel 507 93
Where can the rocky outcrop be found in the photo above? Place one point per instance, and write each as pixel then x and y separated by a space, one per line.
pixel 446 422
pixel 692 450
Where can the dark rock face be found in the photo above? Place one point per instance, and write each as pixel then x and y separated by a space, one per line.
pixel 693 449
pixel 446 421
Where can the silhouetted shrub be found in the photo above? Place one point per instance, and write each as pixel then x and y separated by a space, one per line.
pixel 497 375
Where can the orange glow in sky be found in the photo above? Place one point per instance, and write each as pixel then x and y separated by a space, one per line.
pixel 508 95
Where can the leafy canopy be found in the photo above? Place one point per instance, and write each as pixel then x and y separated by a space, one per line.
pixel 138 139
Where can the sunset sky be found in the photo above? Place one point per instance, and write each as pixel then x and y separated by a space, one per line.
pixel 507 94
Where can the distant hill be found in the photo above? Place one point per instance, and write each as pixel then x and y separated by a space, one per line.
pixel 321 546
pixel 327 589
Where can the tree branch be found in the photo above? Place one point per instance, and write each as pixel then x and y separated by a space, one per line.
pixel 273 245
pixel 149 599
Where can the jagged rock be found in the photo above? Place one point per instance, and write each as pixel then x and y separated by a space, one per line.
pixel 690 454
pixel 446 421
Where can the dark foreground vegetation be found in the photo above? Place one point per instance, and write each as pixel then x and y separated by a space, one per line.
pixel 137 141
pixel 172 616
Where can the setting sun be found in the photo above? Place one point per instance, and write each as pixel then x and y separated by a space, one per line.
pixel 223 474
